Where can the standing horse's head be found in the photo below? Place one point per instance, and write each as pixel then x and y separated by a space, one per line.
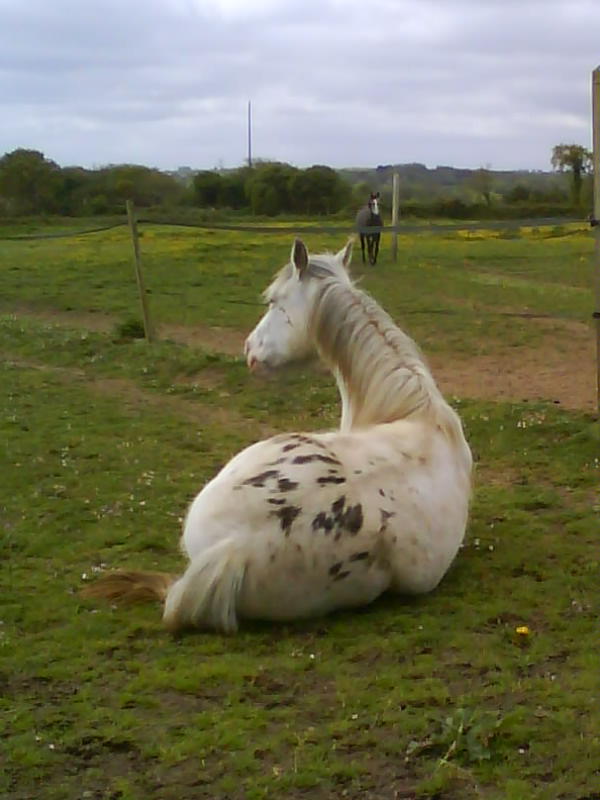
pixel 284 333
pixel 374 204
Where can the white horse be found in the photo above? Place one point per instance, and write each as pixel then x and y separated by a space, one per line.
pixel 302 524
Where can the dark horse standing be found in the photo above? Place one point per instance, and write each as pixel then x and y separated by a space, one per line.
pixel 369 217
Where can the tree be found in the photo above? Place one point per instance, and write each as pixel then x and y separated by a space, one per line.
pixel 318 190
pixel 577 160
pixel 518 194
pixel 207 188
pixel 482 182
pixel 269 188
pixel 29 182
pixel 144 185
pixel 73 190
pixel 232 193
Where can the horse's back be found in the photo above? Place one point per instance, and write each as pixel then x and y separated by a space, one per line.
pixel 331 520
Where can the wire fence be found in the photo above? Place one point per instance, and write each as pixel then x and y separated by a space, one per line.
pixel 439 229
pixel 64 235
pixel 548 227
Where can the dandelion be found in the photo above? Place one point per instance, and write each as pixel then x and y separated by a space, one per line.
pixel 522 630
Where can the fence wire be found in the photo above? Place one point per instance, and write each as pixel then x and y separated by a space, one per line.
pixel 435 228
pixel 400 229
pixel 65 235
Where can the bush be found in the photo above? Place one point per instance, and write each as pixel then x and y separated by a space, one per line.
pixel 132 328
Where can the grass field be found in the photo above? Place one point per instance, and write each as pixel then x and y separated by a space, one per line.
pixel 103 442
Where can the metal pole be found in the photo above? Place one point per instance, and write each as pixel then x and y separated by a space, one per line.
pixel 249 133
pixel 596 219
pixel 395 213
pixel 138 271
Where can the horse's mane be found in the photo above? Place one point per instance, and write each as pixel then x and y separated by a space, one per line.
pixel 383 370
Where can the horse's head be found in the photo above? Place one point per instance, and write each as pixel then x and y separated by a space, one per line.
pixel 284 333
pixel 374 204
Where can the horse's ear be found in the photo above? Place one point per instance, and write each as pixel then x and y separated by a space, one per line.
pixel 299 256
pixel 345 254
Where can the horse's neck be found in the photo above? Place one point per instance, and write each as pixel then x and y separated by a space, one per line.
pixel 412 394
pixel 379 371
pixel 434 412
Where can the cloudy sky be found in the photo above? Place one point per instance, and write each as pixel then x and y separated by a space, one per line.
pixel 166 83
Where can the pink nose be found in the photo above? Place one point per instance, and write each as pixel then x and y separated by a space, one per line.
pixel 252 361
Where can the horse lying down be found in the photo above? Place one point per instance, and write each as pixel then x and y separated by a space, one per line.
pixel 301 524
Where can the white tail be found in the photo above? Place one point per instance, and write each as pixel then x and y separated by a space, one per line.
pixel 206 595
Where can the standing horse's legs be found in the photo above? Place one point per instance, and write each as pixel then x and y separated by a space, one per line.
pixel 362 246
pixel 371 248
pixel 376 239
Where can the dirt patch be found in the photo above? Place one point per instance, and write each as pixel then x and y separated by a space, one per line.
pixel 134 398
pixel 221 340
pixel 207 378
pixel 560 370
pixel 93 321
pixel 562 374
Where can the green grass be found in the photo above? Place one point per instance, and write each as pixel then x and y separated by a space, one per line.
pixel 103 442
pixel 214 277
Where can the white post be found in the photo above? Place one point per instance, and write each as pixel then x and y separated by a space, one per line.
pixel 395 213
pixel 596 220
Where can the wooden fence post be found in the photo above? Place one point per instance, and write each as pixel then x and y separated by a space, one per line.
pixel 596 220
pixel 148 330
pixel 395 213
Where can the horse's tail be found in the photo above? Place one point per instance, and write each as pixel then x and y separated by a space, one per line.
pixel 128 587
pixel 206 596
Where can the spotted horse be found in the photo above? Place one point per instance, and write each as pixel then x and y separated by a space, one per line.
pixel 301 524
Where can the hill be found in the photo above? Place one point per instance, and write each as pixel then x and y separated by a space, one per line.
pixel 418 182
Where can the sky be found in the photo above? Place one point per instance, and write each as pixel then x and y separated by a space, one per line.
pixel 347 83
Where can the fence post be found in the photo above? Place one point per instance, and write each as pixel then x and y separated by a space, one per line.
pixel 395 213
pixel 596 220
pixel 138 271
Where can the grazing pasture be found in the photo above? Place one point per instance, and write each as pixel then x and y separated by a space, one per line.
pixel 485 688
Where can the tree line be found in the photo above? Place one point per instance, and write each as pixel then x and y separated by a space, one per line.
pixel 485 193
pixel 31 184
